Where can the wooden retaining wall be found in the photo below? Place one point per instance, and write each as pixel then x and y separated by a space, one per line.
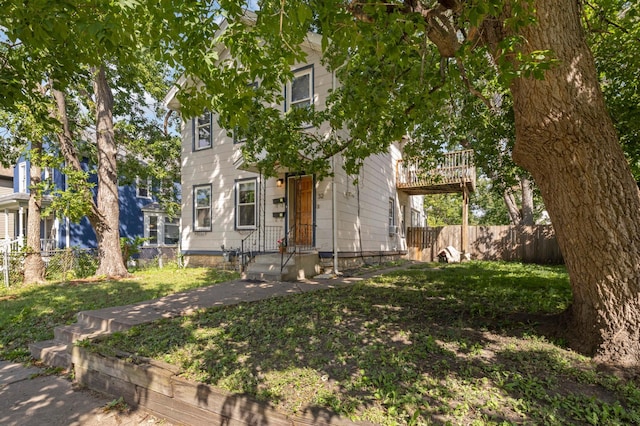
pixel 530 244
pixel 157 387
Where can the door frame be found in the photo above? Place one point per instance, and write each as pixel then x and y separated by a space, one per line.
pixel 292 199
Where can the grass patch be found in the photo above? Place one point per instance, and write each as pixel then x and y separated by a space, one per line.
pixel 30 313
pixel 457 344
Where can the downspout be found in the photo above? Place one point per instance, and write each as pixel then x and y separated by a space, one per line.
pixel 334 200
pixel 334 221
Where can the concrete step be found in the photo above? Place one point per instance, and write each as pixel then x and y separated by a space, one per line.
pixel 97 320
pixel 73 332
pixel 270 258
pixel 52 353
pixel 263 276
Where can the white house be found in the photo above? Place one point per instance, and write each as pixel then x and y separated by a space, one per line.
pixel 326 224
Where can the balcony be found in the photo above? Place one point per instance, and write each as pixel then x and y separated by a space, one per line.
pixel 454 173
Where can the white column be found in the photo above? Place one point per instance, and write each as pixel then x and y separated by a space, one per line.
pixel 67 224
pixel 6 224
pixel 21 225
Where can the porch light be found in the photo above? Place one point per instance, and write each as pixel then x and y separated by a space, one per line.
pixel 279 183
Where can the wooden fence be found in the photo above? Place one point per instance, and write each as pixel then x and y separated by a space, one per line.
pixel 531 244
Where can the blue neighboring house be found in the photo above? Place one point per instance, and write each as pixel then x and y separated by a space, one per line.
pixel 140 216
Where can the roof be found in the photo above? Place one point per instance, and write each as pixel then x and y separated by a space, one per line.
pixel 6 172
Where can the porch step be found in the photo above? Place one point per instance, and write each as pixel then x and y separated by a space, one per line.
pixel 266 267
pixel 52 353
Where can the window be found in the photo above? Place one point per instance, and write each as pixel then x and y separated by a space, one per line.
pixel 171 231
pixel 202 207
pixel 22 178
pixel 143 188
pixel 392 213
pixel 246 204
pixel 416 218
pixel 202 131
pixel 301 88
pixel 153 230
pixel 160 230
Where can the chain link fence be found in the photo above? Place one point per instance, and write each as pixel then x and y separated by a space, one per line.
pixel 60 265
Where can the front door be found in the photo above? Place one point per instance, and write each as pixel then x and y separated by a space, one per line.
pixel 301 210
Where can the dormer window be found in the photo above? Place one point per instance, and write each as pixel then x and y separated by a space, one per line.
pixel 202 131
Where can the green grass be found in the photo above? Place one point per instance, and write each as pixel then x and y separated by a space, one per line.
pixel 457 344
pixel 30 313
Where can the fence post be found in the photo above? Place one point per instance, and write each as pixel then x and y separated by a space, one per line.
pixel 5 266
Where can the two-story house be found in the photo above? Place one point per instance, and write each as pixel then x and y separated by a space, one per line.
pixel 331 223
pixel 140 215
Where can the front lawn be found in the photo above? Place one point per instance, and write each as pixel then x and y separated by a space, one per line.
pixel 433 344
pixel 30 313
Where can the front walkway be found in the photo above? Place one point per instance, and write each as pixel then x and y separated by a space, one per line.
pixel 28 397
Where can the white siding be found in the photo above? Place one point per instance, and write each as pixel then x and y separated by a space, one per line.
pixel 362 209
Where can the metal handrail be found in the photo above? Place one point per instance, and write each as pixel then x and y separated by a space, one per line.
pixel 297 239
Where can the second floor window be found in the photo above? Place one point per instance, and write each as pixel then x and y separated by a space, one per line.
pixel 301 89
pixel 143 187
pixel 202 131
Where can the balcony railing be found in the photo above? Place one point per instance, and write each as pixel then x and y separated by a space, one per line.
pixel 451 174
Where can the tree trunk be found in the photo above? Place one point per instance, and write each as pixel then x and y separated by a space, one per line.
pixel 34 268
pixel 512 206
pixel 107 231
pixel 96 217
pixel 527 202
pixel 566 140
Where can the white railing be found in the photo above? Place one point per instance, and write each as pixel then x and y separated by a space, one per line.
pixel 11 246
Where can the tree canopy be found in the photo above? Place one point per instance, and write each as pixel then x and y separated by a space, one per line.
pixel 402 67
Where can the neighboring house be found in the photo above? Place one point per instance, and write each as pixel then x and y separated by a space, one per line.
pixel 140 216
pixel 6 188
pixel 328 223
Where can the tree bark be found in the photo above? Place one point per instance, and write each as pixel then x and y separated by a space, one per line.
pixel 512 206
pixel 107 231
pixel 527 202
pixel 566 140
pixel 100 214
pixel 34 268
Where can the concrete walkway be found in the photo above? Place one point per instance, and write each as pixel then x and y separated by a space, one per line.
pixel 28 397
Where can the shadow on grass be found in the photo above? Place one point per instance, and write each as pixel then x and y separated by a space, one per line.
pixel 437 345
pixel 30 313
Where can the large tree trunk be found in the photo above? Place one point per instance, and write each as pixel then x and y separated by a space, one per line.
pixel 566 140
pixel 34 268
pixel 96 217
pixel 107 231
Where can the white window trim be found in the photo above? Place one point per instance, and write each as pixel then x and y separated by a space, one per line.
pixel 196 131
pixel 148 188
pixel 162 221
pixel 297 74
pixel 238 204
pixel 22 178
pixel 197 228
